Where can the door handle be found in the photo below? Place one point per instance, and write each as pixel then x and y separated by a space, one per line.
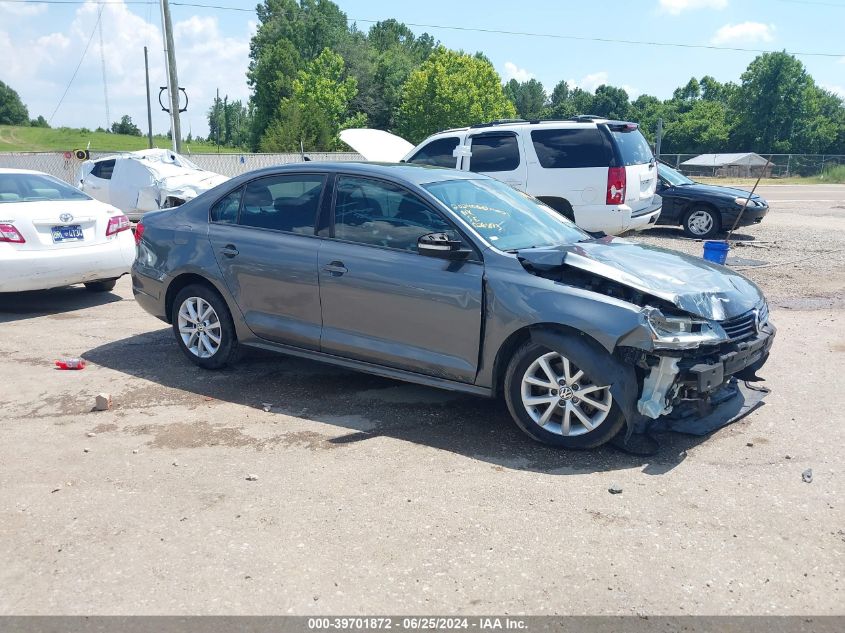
pixel 336 268
pixel 229 250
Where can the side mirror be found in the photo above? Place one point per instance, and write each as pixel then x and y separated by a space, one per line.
pixel 442 246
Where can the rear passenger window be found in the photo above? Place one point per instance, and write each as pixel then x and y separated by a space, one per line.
pixel 561 149
pixel 226 210
pixel 498 152
pixel 103 169
pixel 438 153
pixel 282 203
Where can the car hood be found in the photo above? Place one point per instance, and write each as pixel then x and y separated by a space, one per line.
pixel 376 145
pixel 694 285
pixel 702 189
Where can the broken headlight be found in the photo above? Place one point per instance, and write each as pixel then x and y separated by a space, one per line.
pixel 682 332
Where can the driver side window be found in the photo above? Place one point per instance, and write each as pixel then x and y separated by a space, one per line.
pixel 382 214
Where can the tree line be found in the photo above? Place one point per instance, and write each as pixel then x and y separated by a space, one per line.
pixel 312 74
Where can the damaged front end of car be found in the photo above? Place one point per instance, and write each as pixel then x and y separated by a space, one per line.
pixel 700 329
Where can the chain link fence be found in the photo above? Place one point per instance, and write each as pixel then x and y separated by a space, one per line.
pixel 64 166
pixel 781 165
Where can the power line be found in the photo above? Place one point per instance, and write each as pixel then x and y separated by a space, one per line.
pixel 64 94
pixel 580 38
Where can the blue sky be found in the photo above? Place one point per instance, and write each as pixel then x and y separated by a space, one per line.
pixel 42 44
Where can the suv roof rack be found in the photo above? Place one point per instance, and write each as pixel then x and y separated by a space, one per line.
pixel 499 122
pixel 586 118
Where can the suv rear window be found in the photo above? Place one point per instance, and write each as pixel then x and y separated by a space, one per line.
pixel 560 149
pixel 633 147
pixel 498 152
pixel 103 169
pixel 438 153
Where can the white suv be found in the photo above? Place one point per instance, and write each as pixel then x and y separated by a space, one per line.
pixel 599 173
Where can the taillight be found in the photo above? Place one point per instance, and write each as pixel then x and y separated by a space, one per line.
pixel 8 233
pixel 139 232
pixel 117 224
pixel 615 185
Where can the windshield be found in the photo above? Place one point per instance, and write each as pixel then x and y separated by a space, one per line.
pixel 505 217
pixel 672 176
pixel 32 187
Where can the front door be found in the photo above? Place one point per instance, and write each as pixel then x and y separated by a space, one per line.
pixel 263 238
pixel 384 303
pixel 498 155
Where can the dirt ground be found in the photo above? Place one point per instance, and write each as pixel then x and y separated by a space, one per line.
pixel 373 496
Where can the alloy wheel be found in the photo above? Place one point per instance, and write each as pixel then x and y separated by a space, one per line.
pixel 199 327
pixel 560 398
pixel 700 222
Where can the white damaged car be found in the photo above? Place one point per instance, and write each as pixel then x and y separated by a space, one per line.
pixel 146 180
pixel 52 235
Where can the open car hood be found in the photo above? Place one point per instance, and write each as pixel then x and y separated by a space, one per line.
pixel 376 145
pixel 694 285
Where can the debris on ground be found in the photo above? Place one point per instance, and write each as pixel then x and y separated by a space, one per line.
pixel 91 434
pixel 807 476
pixel 85 450
pixel 252 477
pixel 134 451
pixel 102 402
pixel 615 490
pixel 749 444
pixel 267 406
pixel 70 363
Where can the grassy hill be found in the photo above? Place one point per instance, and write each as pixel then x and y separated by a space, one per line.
pixel 38 139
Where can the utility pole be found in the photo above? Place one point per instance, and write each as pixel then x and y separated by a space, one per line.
pixel 149 110
pixel 658 137
pixel 172 78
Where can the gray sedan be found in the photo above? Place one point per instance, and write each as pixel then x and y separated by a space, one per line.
pixel 453 280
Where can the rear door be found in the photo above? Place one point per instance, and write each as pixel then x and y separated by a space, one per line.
pixel 439 152
pixel 97 183
pixel 498 154
pixel 263 239
pixel 640 166
pixel 383 302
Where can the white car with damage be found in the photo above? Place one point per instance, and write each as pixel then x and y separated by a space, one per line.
pixel 146 180
pixel 52 235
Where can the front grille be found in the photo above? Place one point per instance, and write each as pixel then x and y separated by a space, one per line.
pixel 741 327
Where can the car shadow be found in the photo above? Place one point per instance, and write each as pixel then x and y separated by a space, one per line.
pixel 676 232
pixel 17 306
pixel 363 407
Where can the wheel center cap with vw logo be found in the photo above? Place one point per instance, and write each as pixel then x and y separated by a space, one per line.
pixel 566 392
pixel 66 217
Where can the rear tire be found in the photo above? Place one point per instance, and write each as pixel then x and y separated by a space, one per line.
pixel 553 419
pixel 203 327
pixel 101 286
pixel 702 223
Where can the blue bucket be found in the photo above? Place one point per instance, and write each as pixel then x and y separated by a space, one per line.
pixel 716 251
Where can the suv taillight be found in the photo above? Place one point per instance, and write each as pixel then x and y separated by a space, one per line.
pixel 615 185
pixel 139 232
pixel 8 233
pixel 117 224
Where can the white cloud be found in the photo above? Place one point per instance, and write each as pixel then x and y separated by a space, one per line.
pixel 589 82
pixel 676 7
pixel 744 33
pixel 40 67
pixel 512 71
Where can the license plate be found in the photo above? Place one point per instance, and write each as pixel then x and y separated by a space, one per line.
pixel 70 233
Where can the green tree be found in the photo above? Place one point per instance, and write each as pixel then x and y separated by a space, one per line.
pixel 450 89
pixel 701 129
pixel 125 126
pixel 528 97
pixel 768 108
pixel 611 102
pixel 12 109
pixel 317 110
pixel 40 121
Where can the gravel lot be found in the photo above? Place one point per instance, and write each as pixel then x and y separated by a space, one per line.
pixel 373 496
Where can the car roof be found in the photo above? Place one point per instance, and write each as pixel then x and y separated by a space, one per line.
pixel 414 174
pixel 11 170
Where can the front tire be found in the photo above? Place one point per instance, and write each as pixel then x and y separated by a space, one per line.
pixel 101 286
pixel 555 402
pixel 702 223
pixel 203 327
